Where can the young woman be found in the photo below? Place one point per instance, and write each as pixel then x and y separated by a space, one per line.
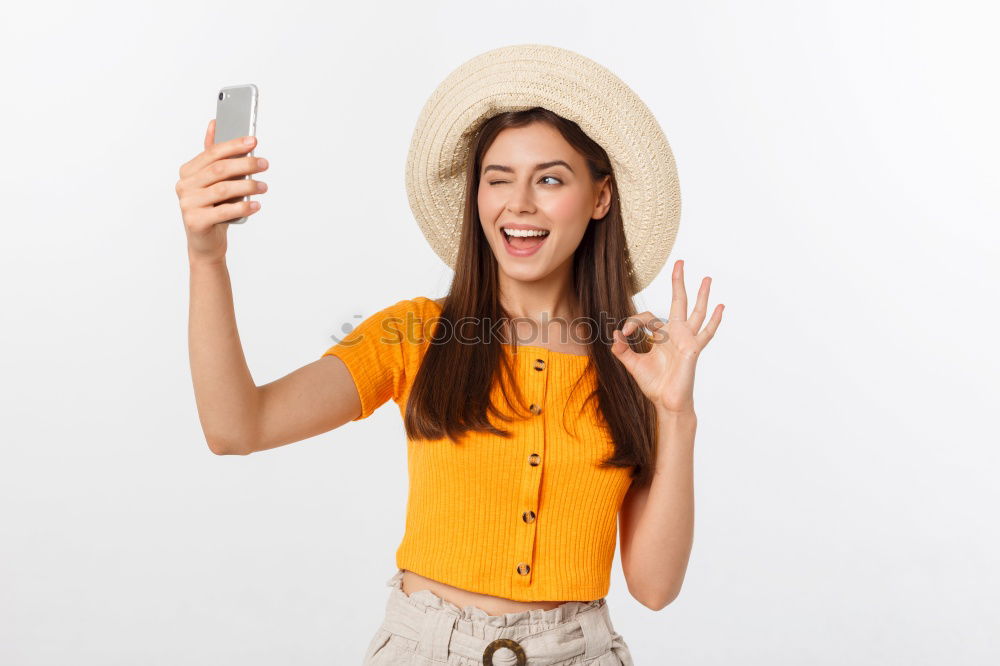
pixel 540 409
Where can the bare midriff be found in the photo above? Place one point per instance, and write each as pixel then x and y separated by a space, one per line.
pixel 414 582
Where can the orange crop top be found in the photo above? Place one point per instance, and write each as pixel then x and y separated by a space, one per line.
pixel 529 518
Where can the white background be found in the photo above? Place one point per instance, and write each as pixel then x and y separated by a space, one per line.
pixel 839 175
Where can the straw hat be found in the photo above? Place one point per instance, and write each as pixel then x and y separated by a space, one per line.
pixel 513 78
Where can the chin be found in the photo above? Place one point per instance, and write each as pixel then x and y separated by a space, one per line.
pixel 521 276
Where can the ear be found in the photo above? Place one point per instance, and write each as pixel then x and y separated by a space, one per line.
pixel 603 204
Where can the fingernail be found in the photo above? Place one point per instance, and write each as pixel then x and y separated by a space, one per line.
pixel 248 140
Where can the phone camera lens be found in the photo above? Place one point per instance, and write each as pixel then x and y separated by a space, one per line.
pixel 220 96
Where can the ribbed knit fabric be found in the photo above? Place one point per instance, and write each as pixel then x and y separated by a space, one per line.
pixel 529 518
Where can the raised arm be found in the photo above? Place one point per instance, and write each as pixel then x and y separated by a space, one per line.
pixel 237 416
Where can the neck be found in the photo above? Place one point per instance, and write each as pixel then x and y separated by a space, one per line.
pixel 541 310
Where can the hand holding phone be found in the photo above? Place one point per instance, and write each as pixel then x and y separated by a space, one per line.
pixel 214 188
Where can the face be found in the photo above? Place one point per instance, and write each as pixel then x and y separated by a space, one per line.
pixel 532 178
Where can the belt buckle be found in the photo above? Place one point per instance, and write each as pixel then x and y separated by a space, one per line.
pixel 511 644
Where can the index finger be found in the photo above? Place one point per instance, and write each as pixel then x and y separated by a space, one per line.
pixel 644 320
pixel 241 145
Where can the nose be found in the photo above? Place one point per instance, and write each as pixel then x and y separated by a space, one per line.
pixel 521 200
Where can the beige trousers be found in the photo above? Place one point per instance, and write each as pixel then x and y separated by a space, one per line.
pixel 423 629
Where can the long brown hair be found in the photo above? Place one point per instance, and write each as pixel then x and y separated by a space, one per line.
pixel 451 392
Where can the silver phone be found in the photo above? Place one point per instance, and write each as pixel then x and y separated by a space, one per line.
pixel 236 116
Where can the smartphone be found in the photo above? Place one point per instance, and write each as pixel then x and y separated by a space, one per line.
pixel 236 116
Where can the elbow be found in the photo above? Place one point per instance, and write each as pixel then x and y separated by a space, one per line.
pixel 662 602
pixel 657 601
pixel 217 447
pixel 226 447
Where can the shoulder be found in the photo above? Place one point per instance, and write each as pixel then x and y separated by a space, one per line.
pixel 411 318
pixel 422 306
pixel 417 305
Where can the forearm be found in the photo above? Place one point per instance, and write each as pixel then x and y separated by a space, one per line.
pixel 664 530
pixel 224 389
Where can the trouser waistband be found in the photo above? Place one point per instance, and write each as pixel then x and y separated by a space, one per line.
pixel 437 632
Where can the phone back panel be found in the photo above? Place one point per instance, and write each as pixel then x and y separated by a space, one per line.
pixel 236 116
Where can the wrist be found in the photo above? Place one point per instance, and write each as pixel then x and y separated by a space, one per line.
pixel 684 420
pixel 195 261
pixel 684 412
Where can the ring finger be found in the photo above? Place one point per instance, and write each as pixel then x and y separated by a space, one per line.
pixel 228 190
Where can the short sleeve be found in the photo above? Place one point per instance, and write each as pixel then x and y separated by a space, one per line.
pixel 373 353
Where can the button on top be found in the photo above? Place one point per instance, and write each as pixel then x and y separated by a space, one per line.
pixel 535 409
pixel 534 460
pixel 523 568
pixel 528 516
pixel 539 364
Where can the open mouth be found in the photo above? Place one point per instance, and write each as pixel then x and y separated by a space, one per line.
pixel 523 241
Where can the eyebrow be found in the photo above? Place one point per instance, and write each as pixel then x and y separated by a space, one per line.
pixel 538 167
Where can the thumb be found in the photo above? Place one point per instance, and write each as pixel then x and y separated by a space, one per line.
pixel 621 349
pixel 210 134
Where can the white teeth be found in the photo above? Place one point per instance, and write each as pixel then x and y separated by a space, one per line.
pixel 524 233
